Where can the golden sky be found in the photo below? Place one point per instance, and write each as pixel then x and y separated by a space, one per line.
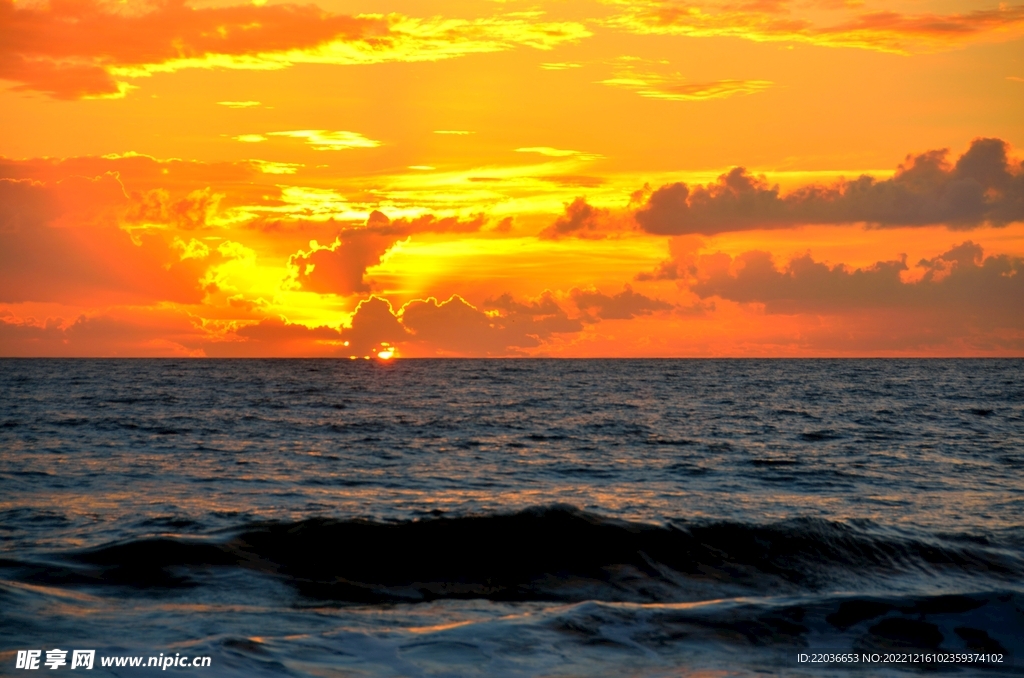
pixel 510 178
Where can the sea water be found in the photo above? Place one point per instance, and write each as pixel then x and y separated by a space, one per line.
pixel 514 517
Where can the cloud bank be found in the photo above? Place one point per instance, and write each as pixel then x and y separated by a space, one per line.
pixel 982 187
pixel 71 49
pixel 772 21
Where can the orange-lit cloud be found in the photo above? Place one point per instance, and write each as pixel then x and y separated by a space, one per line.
pixel 983 186
pixel 640 76
pixel 319 139
pixel 67 47
pixel 339 268
pixel 80 48
pixel 65 242
pixel 887 31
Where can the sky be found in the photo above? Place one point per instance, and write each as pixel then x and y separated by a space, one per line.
pixel 566 178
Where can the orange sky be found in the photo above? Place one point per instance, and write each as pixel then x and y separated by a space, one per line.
pixel 504 178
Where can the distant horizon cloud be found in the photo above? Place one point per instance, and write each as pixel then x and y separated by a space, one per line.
pixel 981 187
pixel 961 279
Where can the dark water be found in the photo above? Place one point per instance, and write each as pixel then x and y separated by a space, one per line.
pixel 513 518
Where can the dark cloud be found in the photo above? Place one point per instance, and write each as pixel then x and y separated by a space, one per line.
pixel 625 305
pixel 156 333
pixel 982 187
pixel 580 219
pixel 340 268
pixel 450 327
pixel 456 326
pixel 960 282
pixel 276 337
pixel 666 270
pixel 538 319
pixel 374 325
pixel 277 330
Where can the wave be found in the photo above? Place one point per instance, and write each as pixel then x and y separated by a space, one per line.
pixel 554 553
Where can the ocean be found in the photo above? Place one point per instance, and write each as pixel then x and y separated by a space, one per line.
pixel 513 517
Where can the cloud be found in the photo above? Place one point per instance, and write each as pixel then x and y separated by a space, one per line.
pixel 422 326
pixel 539 318
pixel 374 325
pixel 268 167
pixel 339 268
pixel 318 139
pixel 68 48
pixel 580 219
pixel 626 304
pixel 239 104
pixel 24 203
pixel 142 173
pixel 160 200
pixel 275 337
pixel 548 151
pixel 64 241
pixel 455 326
pixel 885 31
pixel 161 332
pixel 187 213
pixel 325 140
pixel 86 48
pixel 982 187
pixel 677 88
pixel 961 283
